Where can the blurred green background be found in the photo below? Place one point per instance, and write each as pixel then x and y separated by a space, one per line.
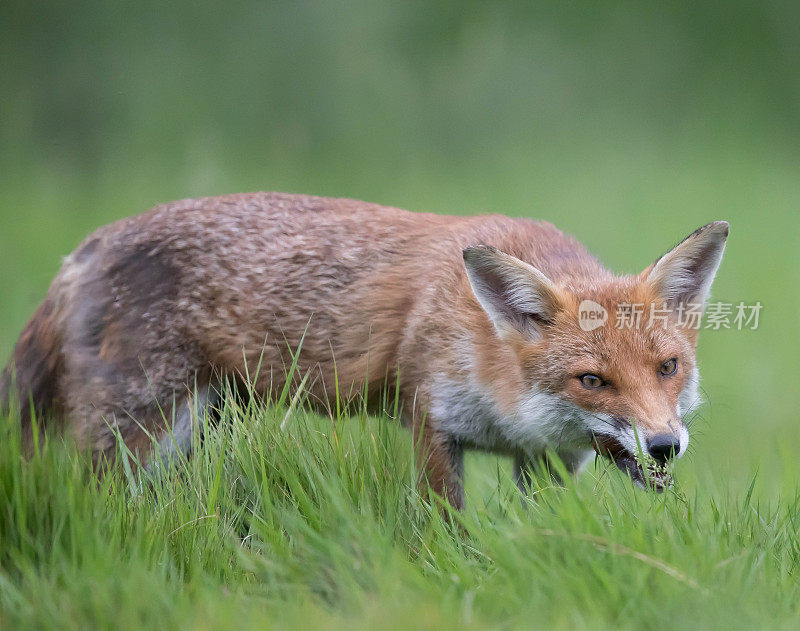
pixel 627 124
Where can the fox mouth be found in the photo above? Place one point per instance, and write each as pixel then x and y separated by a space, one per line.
pixel 645 472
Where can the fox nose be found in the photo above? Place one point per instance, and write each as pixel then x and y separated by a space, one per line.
pixel 663 447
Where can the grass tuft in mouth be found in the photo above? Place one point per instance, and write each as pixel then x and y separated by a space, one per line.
pixel 644 470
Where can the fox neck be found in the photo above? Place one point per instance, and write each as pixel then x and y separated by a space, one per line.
pixel 484 400
pixel 470 412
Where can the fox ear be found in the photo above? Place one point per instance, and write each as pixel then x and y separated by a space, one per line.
pixel 685 273
pixel 514 294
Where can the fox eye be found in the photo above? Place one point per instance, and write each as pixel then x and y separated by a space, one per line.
pixel 592 382
pixel 669 367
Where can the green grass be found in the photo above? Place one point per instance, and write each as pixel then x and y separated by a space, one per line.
pixel 320 524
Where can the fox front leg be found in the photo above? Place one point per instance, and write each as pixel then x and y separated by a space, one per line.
pixel 444 468
pixel 441 461
pixel 439 455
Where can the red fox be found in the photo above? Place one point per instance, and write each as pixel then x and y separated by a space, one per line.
pixel 477 320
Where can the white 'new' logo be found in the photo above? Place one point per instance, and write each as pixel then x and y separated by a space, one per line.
pixel 591 315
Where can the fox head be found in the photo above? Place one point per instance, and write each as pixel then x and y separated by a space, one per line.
pixel 605 361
